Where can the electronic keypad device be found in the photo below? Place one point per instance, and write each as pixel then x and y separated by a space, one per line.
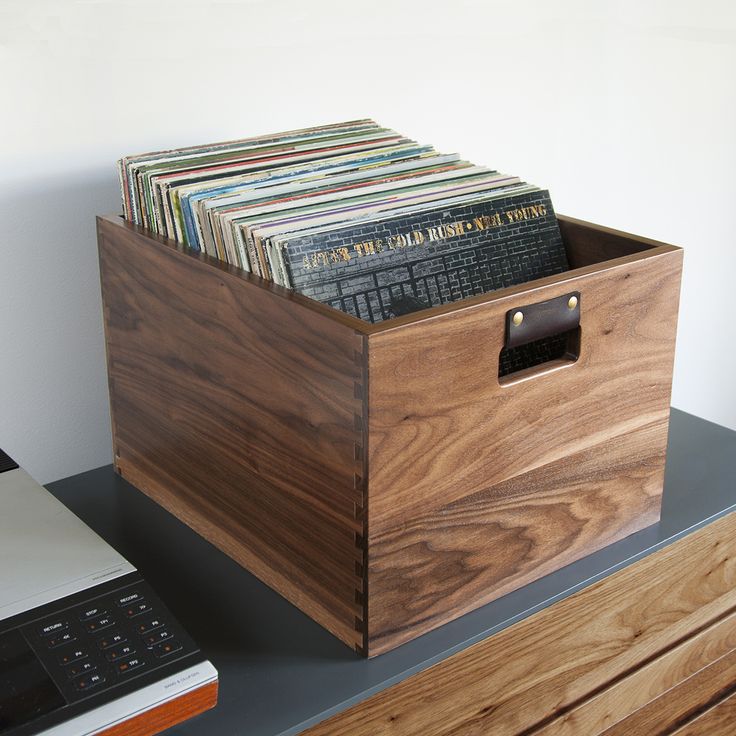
pixel 86 645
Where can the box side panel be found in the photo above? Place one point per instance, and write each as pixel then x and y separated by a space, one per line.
pixel 587 243
pixel 240 412
pixel 452 559
pixel 441 425
pixel 483 487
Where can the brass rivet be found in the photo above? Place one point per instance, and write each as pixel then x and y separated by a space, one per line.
pixel 518 318
pixel 572 302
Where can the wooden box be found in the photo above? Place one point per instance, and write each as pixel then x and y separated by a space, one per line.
pixel 384 478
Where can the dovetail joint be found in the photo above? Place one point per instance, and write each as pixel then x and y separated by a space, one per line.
pixel 360 425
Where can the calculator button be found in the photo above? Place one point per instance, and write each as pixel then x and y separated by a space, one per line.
pixel 99 623
pixel 124 650
pixel 166 648
pixel 136 609
pixel 88 613
pixel 149 625
pixel 110 640
pixel 56 641
pixel 156 637
pixel 53 628
pixel 87 682
pixel 73 656
pixel 80 668
pixel 133 663
pixel 131 597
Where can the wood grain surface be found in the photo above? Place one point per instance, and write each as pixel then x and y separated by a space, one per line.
pixel 684 702
pixel 460 432
pixel 540 669
pixel 381 477
pixel 236 410
pixel 439 564
pixel 719 720
pixel 497 484
pixel 167 714
pixel 652 680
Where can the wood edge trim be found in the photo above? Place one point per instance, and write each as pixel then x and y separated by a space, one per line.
pixel 654 248
pixel 168 714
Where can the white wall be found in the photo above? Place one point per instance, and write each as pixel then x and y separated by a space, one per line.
pixel 625 110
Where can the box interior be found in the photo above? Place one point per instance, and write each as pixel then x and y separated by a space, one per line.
pixel 585 246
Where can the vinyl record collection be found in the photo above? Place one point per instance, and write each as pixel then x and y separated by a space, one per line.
pixel 352 214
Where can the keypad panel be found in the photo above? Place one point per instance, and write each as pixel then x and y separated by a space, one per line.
pixel 107 640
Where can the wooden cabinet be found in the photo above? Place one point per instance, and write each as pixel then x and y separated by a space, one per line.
pixel 637 639
pixel 648 650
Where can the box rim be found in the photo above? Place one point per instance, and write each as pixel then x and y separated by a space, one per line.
pixel 651 248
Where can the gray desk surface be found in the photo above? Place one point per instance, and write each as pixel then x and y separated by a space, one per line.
pixel 279 671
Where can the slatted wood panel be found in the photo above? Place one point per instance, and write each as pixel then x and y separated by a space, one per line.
pixel 586 646
pixel 719 720
pixel 624 698
pixel 683 703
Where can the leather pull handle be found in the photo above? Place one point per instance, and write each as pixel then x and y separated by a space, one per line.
pixel 530 322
